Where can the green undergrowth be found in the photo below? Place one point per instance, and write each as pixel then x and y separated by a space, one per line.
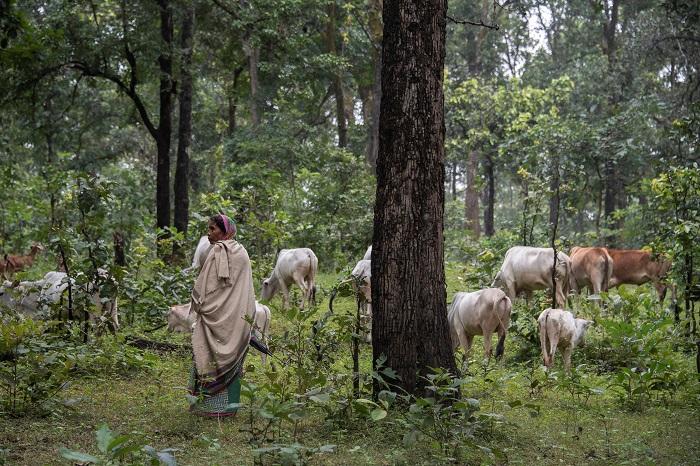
pixel 632 398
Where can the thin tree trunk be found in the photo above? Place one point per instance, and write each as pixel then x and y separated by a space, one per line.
pixel 182 201
pixel 164 130
pixel 331 47
pixel 489 227
pixel 554 224
pixel 233 102
pixel 376 32
pixel 471 196
pixel 409 322
pixel 252 54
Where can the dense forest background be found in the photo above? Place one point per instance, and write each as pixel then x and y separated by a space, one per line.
pixel 168 111
pixel 126 124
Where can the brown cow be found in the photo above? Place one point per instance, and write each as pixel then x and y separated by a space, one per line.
pixel 636 267
pixel 592 268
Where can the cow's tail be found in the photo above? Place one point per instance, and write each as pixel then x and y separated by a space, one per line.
pixel 501 310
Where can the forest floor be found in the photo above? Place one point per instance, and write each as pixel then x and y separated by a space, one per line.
pixel 548 424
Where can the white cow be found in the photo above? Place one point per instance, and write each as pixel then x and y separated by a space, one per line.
pixel 480 313
pixel 293 266
pixel 200 254
pixel 180 319
pixel 526 269
pixel 560 328
pixel 37 297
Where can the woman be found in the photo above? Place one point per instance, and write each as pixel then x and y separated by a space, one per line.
pixel 221 299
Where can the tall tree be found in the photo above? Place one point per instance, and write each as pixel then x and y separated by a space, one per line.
pixel 182 201
pixel 409 325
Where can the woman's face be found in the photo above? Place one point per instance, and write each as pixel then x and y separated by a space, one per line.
pixel 215 233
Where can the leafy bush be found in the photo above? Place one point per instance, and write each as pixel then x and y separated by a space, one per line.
pixel 121 449
pixel 32 371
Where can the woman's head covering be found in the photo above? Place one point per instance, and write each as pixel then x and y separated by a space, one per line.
pixel 229 226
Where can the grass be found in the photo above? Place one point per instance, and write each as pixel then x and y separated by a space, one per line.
pixel 567 430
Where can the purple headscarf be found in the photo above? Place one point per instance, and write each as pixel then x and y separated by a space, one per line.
pixel 229 226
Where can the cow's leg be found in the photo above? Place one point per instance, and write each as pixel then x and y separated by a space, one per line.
pixel 567 358
pixel 544 344
pixel 285 294
pixel 487 344
pixel 299 280
pixel 553 343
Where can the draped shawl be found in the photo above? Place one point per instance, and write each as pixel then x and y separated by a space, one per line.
pixel 222 297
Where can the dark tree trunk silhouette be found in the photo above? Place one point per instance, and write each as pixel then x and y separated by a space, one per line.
pixel 164 131
pixel 471 196
pixel 489 228
pixel 182 201
pixel 409 322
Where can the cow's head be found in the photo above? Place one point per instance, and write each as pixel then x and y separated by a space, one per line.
pixel 581 328
pixel 268 289
pixel 179 318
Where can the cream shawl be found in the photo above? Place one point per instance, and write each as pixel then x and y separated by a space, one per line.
pixel 222 296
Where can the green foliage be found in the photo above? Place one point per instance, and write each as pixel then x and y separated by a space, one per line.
pixel 118 449
pixel 32 372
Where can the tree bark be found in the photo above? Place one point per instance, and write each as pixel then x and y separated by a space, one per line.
pixel 331 47
pixel 471 196
pixel 409 324
pixel 182 201
pixel 164 130
pixel 489 228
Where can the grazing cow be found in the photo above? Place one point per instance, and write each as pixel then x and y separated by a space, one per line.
pixel 592 268
pixel 200 254
pixel 180 319
pixel 480 313
pixel 293 266
pixel 368 254
pixel 35 297
pixel 560 328
pixel 16 263
pixel 636 267
pixel 526 269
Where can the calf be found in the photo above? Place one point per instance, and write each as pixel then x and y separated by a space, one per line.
pixel 479 313
pixel 560 328
pixel 36 297
pixel 16 263
pixel 592 268
pixel 180 319
pixel 293 266
pixel 636 267
pixel 526 269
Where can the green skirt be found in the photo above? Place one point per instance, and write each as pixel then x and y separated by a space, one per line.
pixel 216 405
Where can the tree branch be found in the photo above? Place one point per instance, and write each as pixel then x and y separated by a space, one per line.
pixel 474 23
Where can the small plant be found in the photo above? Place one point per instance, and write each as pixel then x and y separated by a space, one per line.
pixel 121 449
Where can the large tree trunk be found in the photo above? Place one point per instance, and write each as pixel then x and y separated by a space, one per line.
pixel 182 201
pixel 164 130
pixel 409 324
pixel 489 228
pixel 331 47
pixel 471 196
